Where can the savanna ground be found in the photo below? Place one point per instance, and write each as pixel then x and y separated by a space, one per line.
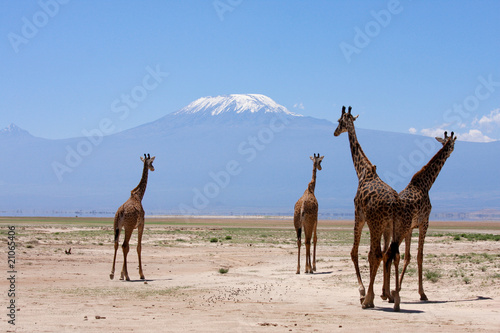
pixel 238 275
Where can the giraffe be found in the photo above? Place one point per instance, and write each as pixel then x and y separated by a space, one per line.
pixel 415 199
pixel 130 216
pixel 306 216
pixel 376 204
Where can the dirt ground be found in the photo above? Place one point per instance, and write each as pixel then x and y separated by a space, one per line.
pixel 185 290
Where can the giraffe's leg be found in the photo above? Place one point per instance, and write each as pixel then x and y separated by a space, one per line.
pixel 395 292
pixel 374 257
pixel 125 248
pixel 315 240
pixel 308 250
pixel 407 258
pixel 117 236
pixel 387 273
pixel 140 229
pixel 358 228
pixel 391 255
pixel 420 258
pixel 299 236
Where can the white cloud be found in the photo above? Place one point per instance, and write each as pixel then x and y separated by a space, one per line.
pixel 474 135
pixel 299 106
pixel 484 129
pixel 433 132
pixel 412 130
pixel 491 120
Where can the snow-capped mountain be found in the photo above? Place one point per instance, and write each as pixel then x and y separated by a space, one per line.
pixel 235 103
pixel 234 154
pixel 235 110
pixel 14 131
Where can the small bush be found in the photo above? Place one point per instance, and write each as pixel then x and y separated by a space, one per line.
pixel 223 270
pixel 229 237
pixel 433 276
pixel 214 240
pixel 477 237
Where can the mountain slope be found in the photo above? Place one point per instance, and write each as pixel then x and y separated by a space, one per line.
pixel 232 154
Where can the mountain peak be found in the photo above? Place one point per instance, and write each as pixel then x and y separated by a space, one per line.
pixel 14 130
pixel 234 103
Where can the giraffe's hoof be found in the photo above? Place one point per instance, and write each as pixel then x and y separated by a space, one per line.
pixel 111 276
pixel 423 297
pixel 121 278
pixel 142 277
pixel 367 306
pixel 395 299
pixel 298 272
pixel 383 296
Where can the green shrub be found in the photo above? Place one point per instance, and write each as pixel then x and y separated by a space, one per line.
pixel 432 276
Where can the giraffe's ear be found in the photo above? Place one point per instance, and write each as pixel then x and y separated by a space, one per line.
pixel 312 158
pixel 142 158
pixel 354 118
pixel 440 140
pixel 321 158
pixel 153 158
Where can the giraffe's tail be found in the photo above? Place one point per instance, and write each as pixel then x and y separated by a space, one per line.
pixel 117 234
pixel 394 249
pixel 116 224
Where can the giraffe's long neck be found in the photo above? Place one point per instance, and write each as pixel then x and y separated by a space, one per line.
pixel 140 189
pixel 312 183
pixel 426 177
pixel 362 164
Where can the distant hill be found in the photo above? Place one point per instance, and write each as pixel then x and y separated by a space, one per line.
pixel 235 154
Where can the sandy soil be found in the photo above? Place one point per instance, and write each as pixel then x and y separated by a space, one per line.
pixel 184 290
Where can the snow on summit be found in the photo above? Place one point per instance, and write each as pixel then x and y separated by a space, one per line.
pixel 235 103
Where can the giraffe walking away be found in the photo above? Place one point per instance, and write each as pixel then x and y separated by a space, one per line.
pixel 306 217
pixel 376 204
pixel 415 200
pixel 130 216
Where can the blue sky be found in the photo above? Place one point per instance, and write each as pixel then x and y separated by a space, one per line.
pixel 405 66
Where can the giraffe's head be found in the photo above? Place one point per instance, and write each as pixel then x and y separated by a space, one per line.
pixel 317 161
pixel 148 161
pixel 448 143
pixel 346 121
